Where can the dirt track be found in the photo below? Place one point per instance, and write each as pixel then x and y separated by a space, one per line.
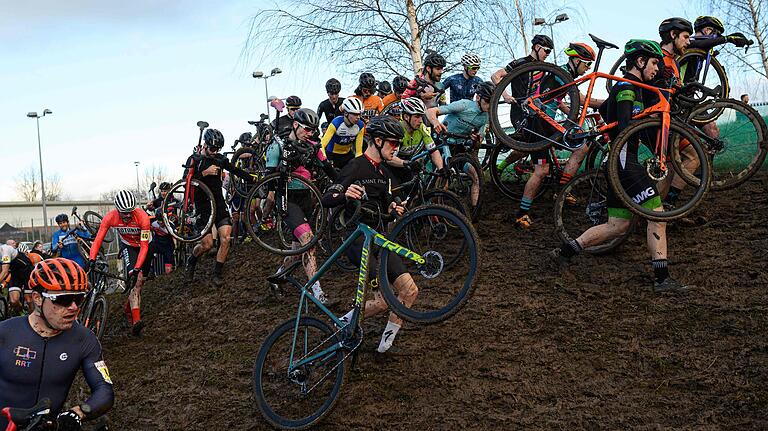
pixel 530 350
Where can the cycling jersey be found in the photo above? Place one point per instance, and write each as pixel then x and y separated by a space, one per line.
pixel 33 367
pixel 275 154
pixel 389 99
pixel 7 254
pixel 372 106
pixel 464 117
pixel 339 137
pixel 415 142
pixel 200 163
pixel 330 110
pixel 69 248
pixel 134 233
pixel 420 85
pixel 512 65
pixel 374 177
pixel 19 268
pixel 461 87
pixel 283 125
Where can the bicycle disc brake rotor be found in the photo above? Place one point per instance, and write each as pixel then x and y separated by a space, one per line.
pixel 594 212
pixel 433 264
pixel 654 169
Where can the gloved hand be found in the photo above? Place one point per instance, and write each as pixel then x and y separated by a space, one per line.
pixel 737 39
pixel 68 421
pixel 443 172
pixel 413 165
pixel 134 272
pixel 91 263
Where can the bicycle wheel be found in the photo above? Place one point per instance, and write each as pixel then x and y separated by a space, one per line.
pixel 92 222
pixel 249 159
pixel 616 70
pixel 741 144
pixel 510 170
pixel 335 234
pixel 299 398
pixel 484 153
pixel 590 190
pixel 442 197
pixel 636 174
pixel 693 68
pixel 519 125
pixel 449 247
pixel 3 308
pixel 96 320
pixel 279 198
pixel 465 170
pixel 193 218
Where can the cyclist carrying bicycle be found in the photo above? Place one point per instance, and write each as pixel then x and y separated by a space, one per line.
pixel 40 354
pixel 541 47
pixel 416 138
pixel 15 267
pixel 391 101
pixel 463 85
pixel 282 124
pixel 343 139
pixel 364 92
pixel 426 85
pixel 366 178
pixel 64 242
pixel 330 108
pixel 156 203
pixel 625 100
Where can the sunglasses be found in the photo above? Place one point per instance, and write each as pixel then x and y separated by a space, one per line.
pixel 125 215
pixel 547 50
pixel 66 299
pixel 473 68
pixel 293 109
pixel 309 129
pixel 587 63
pixel 333 94
pixel 393 142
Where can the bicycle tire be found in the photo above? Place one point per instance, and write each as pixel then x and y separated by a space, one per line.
pixel 92 223
pixel 614 70
pixel 758 149
pixel 523 121
pixel 277 419
pixel 471 247
pixel 675 128
pixel 188 230
pixel 725 86
pixel 3 308
pixel 319 217
pixel 442 197
pixel 595 204
pixel 237 184
pixel 96 319
pixel 460 182
pixel 511 180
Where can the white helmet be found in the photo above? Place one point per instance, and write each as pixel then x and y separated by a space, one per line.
pixel 23 247
pixel 352 105
pixel 470 59
pixel 413 106
pixel 124 201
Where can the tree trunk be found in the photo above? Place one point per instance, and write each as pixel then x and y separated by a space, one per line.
pixel 410 9
pixel 753 12
pixel 520 17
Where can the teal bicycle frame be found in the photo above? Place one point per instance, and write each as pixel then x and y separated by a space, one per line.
pixel 371 236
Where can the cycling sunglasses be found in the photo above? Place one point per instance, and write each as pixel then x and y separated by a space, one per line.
pixel 547 50
pixel 309 129
pixel 65 299
pixel 393 142
pixel 473 68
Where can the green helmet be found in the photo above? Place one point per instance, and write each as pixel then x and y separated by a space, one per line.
pixel 642 47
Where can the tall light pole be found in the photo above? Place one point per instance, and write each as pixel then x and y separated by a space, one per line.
pixel 138 187
pixel 558 19
pixel 260 75
pixel 37 117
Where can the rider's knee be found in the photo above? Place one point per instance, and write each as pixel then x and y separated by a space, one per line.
pixel 406 286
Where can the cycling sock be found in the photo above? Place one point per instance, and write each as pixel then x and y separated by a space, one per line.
pixel 570 248
pixel 565 178
pixel 660 269
pixel 218 267
pixel 388 337
pixel 525 206
pixel 347 317
pixel 135 315
pixel 672 196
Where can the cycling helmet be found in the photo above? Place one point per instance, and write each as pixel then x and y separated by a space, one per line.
pixel 385 87
pixel 384 127
pixel 470 59
pixel 434 59
pixel 124 201
pixel 307 118
pixel 333 86
pixel 58 275
pixel 293 102
pixel 213 138
pixel 485 89
pixel 641 47
pixel 23 247
pixel 676 23
pixel 581 51
pixel 709 21
pixel 245 138
pixel 62 217
pixel 399 84
pixel 367 80
pixel 413 106
pixel 543 40
pixel 352 105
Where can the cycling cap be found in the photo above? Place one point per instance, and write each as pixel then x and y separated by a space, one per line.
pixel 385 87
pixel 709 21
pixel 58 275
pixel 413 106
pixel 485 90
pixel 434 59
pixel 367 80
pixel 676 23
pixel 581 51
pixel 352 105
pixel 543 40
pixel 399 84
pixel 61 217
pixel 385 127
pixel 165 185
pixel 293 102
pixel 124 201
pixel 641 47
pixel 213 138
pixel 332 86
pixel 470 59
pixel 307 118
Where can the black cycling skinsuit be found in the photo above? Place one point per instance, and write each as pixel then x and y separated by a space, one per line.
pixel 284 126
pixel 214 182
pixel 329 110
pixel 33 367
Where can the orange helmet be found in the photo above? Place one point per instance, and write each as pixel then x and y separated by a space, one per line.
pixel 581 51
pixel 58 275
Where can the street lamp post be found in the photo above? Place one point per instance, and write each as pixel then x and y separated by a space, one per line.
pixel 260 75
pixel 558 19
pixel 138 187
pixel 37 117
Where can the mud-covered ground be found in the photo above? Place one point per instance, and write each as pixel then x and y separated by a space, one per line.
pixel 531 349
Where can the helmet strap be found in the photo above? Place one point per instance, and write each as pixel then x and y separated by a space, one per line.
pixel 42 315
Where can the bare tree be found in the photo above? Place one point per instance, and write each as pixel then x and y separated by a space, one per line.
pixel 751 18
pixel 155 173
pixel 28 185
pixel 53 189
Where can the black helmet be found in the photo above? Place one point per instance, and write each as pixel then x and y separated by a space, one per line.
pixel 213 138
pixel 333 86
pixel 307 117
pixel 384 127
pixel 543 40
pixel 709 21
pixel 367 80
pixel 434 59
pixel 245 138
pixel 676 23
pixel 485 90
pixel 641 47
pixel 385 87
pixel 62 217
pixel 293 102
pixel 165 185
pixel 399 84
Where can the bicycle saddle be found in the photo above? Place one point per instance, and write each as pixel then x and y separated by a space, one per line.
pixel 601 43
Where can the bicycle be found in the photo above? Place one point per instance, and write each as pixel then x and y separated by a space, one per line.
pixel 464 172
pixel 310 356
pixel 32 419
pixel 528 127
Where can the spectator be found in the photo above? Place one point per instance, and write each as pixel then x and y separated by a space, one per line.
pixel 745 98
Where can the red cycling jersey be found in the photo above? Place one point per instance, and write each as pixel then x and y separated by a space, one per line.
pixel 135 233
